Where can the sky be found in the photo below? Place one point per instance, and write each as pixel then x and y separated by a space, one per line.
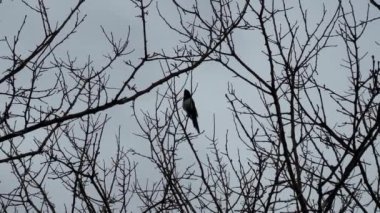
pixel 211 79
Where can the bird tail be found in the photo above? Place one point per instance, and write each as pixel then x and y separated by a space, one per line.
pixel 195 123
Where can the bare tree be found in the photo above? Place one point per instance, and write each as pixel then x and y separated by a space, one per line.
pixel 302 145
pixel 299 158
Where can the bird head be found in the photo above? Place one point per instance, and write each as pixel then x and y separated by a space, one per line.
pixel 186 94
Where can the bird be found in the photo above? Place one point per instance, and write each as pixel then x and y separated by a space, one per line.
pixel 189 106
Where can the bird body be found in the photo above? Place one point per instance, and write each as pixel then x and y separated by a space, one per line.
pixel 189 106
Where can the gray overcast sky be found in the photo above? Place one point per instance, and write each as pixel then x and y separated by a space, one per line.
pixel 118 16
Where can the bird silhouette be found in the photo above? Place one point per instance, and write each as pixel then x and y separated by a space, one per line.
pixel 189 106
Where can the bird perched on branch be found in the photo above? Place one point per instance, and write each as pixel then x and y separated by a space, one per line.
pixel 189 106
